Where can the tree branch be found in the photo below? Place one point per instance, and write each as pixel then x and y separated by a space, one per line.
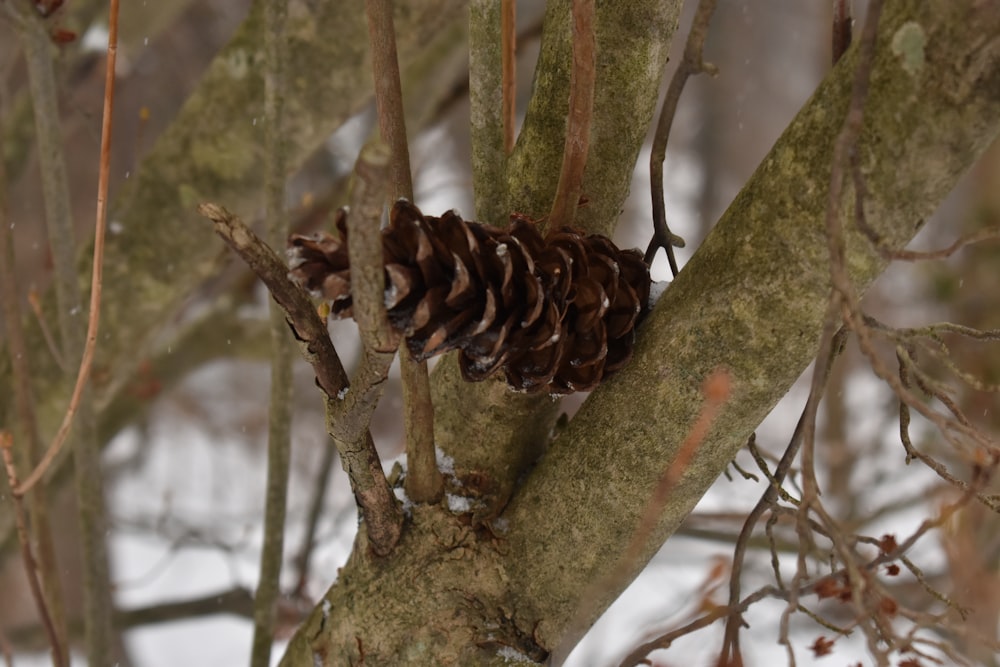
pixel 27 421
pixel 581 108
pixel 59 225
pixel 756 312
pixel 691 64
pixel 56 645
pixel 357 451
pixel 279 418
pixel 487 101
pixel 424 481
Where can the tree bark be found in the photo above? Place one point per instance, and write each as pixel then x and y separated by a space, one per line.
pixel 751 300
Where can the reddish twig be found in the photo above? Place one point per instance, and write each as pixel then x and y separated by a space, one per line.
pixel 97 271
pixel 6 650
pixel 692 63
pixel 716 391
pixel 43 325
pixel 843 25
pixel 30 568
pixel 581 107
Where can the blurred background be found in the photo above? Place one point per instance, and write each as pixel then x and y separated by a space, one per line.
pixel 185 470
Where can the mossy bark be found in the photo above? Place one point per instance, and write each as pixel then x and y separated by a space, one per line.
pixel 751 300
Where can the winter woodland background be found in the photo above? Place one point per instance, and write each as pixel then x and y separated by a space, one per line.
pixel 185 470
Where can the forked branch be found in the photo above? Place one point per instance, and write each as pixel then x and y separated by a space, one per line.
pixel 376 501
pixel 692 63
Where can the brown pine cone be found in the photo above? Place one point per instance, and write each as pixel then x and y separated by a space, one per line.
pixel 555 313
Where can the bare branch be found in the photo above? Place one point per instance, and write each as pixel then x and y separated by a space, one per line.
pixel 59 656
pixel 364 222
pixel 843 26
pixel 321 485
pixel 357 451
pixel 24 398
pixel 581 107
pixel 417 407
pixel 731 641
pixel 389 94
pixel 692 63
pixel 279 420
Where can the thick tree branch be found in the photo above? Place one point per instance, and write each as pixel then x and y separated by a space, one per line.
pixel 752 299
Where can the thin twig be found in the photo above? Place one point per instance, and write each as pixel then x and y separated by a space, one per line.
pixel 61 234
pixel 638 655
pixel 840 295
pixel 418 411
pixel 508 49
pixel 581 106
pixel 98 264
pixel 43 325
pixel 30 568
pixel 731 642
pixel 843 26
pixel 692 63
pixel 280 401
pixel 943 253
pixel 377 503
pixel 24 398
pixel 233 602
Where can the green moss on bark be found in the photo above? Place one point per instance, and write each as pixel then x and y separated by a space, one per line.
pixel 751 300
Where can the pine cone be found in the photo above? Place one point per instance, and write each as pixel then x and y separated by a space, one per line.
pixel 555 314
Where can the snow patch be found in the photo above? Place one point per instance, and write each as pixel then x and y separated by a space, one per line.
pixel 458 504
pixel 445 463
pixel 656 290
pixel 511 654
